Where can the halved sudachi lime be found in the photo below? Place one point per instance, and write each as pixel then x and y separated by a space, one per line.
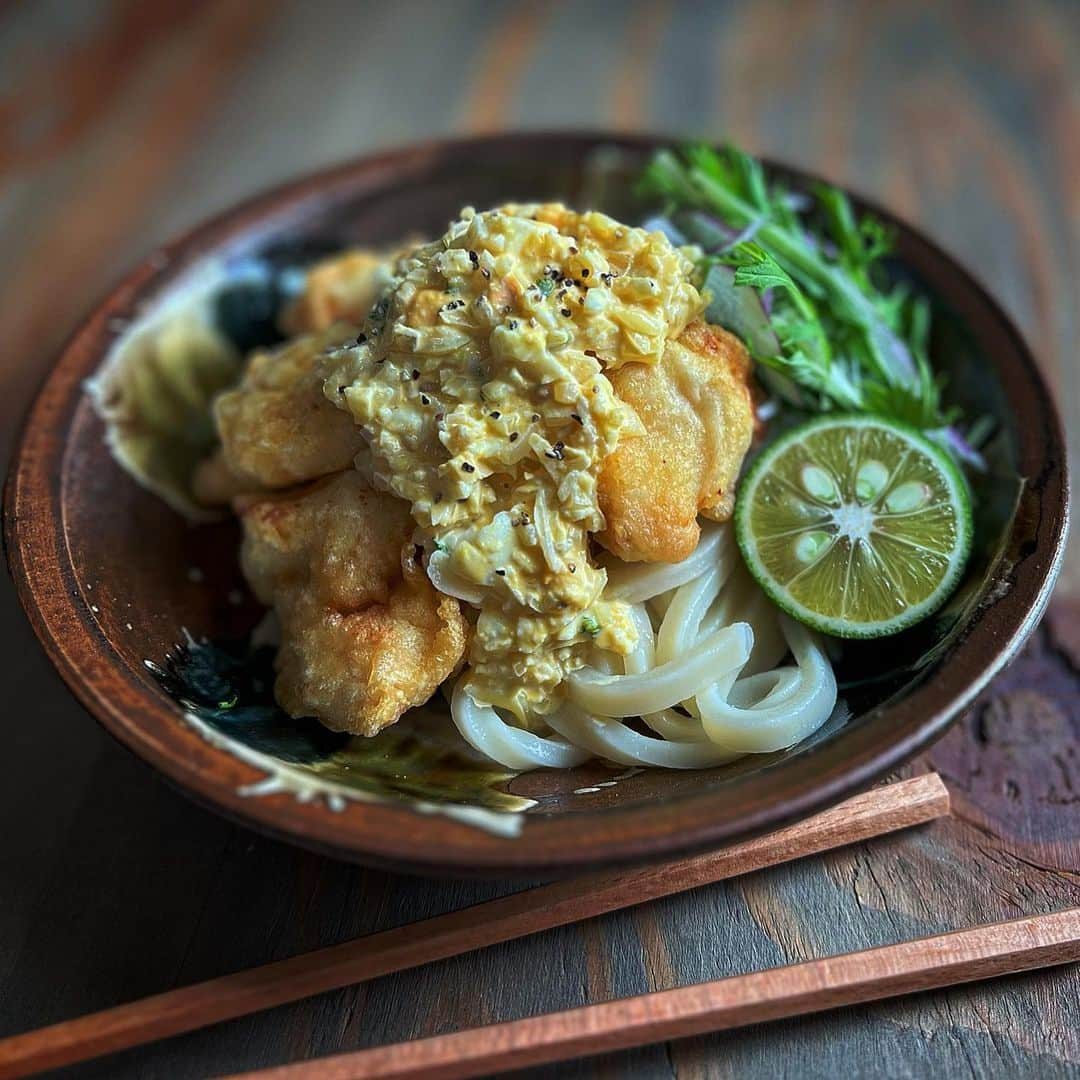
pixel 855 525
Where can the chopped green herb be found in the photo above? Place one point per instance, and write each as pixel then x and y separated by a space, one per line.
pixel 589 625
pixel 843 333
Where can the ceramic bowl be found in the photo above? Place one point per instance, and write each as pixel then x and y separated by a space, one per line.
pixel 124 593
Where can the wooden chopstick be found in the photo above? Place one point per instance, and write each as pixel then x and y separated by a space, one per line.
pixel 873 813
pixel 984 952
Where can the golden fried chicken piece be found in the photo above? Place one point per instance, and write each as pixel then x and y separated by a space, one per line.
pixel 364 633
pixel 341 288
pixel 277 428
pixel 698 416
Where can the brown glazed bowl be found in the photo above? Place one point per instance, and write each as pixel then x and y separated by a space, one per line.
pixel 102 565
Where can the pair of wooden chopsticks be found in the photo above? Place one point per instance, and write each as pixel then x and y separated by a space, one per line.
pixel 874 813
pixel 590 1030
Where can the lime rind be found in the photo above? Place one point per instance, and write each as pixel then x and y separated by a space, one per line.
pixel 957 500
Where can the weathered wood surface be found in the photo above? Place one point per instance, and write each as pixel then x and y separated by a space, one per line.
pixel 122 123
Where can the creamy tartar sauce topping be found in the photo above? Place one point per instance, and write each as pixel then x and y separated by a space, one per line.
pixel 479 384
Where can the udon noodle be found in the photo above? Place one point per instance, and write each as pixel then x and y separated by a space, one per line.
pixel 707 677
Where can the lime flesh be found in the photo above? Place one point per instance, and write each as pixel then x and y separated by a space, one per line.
pixel 855 525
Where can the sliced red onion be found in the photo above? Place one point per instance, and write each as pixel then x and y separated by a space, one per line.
pixel 953 440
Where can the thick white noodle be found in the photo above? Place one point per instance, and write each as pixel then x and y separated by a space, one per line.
pixel 609 738
pixel 726 650
pixel 484 730
pixel 797 702
pixel 634 582
pixel 667 723
pixel 682 621
pixel 708 641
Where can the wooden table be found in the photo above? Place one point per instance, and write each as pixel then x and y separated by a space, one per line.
pixel 121 124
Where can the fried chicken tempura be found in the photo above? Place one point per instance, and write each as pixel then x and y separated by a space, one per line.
pixel 697 412
pixel 277 428
pixel 365 635
pixel 340 289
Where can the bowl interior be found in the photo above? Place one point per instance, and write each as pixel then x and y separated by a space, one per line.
pixel 141 581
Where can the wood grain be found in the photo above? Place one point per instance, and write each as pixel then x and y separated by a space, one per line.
pixel 985 952
pixel 962 116
pixel 874 813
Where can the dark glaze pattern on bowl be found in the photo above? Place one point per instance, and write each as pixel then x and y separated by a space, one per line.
pixel 101 565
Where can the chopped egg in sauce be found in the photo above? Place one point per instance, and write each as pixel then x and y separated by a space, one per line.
pixel 479 384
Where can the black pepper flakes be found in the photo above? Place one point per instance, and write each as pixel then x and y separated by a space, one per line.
pixel 361 338
pixel 512 324
pixel 495 414
pixel 571 567
pixel 418 553
pixel 501 573
pixel 556 452
pixel 585 271
pixel 513 436
pixel 535 417
pixel 565 312
pixel 415 374
pixel 473 257
pixel 342 389
pixel 486 273
pixel 424 399
pixel 467 467
pixel 573 251
pixel 574 416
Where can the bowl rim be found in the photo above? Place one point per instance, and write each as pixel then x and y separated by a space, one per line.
pixel 396 836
